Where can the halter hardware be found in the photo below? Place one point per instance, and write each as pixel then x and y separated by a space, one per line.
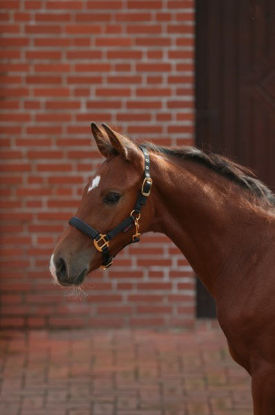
pixel 146 186
pixel 105 242
pixel 136 236
pixel 101 240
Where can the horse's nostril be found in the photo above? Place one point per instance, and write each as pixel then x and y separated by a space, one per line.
pixel 61 269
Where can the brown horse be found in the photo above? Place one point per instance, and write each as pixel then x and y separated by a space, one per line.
pixel 219 215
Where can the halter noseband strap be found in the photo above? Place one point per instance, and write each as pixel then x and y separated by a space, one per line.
pixel 101 241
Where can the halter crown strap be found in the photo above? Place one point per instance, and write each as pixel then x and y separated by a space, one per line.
pixel 101 241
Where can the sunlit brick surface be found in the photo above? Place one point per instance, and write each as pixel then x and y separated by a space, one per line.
pixel 122 372
pixel 64 64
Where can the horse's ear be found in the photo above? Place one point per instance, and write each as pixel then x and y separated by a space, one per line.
pixel 102 142
pixel 123 145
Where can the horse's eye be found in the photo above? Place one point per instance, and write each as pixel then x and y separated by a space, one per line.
pixel 111 198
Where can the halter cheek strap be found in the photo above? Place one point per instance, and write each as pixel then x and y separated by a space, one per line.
pixel 100 240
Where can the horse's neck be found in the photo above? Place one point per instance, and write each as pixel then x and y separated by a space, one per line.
pixel 208 224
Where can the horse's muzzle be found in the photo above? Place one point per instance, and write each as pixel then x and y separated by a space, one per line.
pixel 64 274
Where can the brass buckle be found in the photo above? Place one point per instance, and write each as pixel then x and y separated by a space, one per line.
pixel 145 181
pixel 101 243
pixel 136 236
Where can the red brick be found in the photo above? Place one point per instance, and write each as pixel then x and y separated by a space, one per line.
pixel 154 79
pixel 153 41
pixel 147 322
pixel 45 130
pixel 15 67
pixel 14 92
pixel 155 54
pixel 133 17
pixel 141 4
pixel 52 42
pixel 144 104
pixel 84 54
pixel 153 92
pixel 92 67
pixel 33 4
pixel 144 29
pixel 124 310
pixel 14 117
pixel 152 309
pixel 66 5
pixel 122 67
pixel 10 54
pixel 53 17
pixel 180 29
pixel 84 80
pixel 9 105
pixel 54 167
pixel 33 192
pixel 66 180
pixel 103 4
pixel 134 117
pixel 14 322
pixel 153 67
pixel 51 92
pixel 22 17
pixel 113 42
pixel 9 28
pixel 14 167
pixel 144 129
pixel 9 4
pixel 6 79
pixel 51 154
pixel 42 29
pixel 40 54
pixel 13 42
pixel 178 129
pixel 4 17
pixel 164 17
pixel 180 54
pixel 93 116
pixel 52 67
pixel 103 104
pixel 61 105
pixel 113 92
pixel 124 54
pixel 94 16
pixel 78 29
pixel 180 4
pixel 54 117
pixel 154 285
pixel 42 79
pixel 11 154
pixel 81 41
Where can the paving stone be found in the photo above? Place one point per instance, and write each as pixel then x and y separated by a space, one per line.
pixel 121 372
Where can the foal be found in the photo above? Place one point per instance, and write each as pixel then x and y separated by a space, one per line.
pixel 215 211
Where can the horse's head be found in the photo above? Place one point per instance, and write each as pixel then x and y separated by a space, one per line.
pixel 108 199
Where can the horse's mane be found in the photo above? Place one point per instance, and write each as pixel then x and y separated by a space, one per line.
pixel 221 165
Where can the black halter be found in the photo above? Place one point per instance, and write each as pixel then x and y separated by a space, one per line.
pixel 101 241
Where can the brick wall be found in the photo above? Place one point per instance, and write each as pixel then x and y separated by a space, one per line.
pixel 63 64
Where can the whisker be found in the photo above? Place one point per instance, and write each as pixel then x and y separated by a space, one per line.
pixel 77 292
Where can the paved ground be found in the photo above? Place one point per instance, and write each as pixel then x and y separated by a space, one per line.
pixel 120 372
